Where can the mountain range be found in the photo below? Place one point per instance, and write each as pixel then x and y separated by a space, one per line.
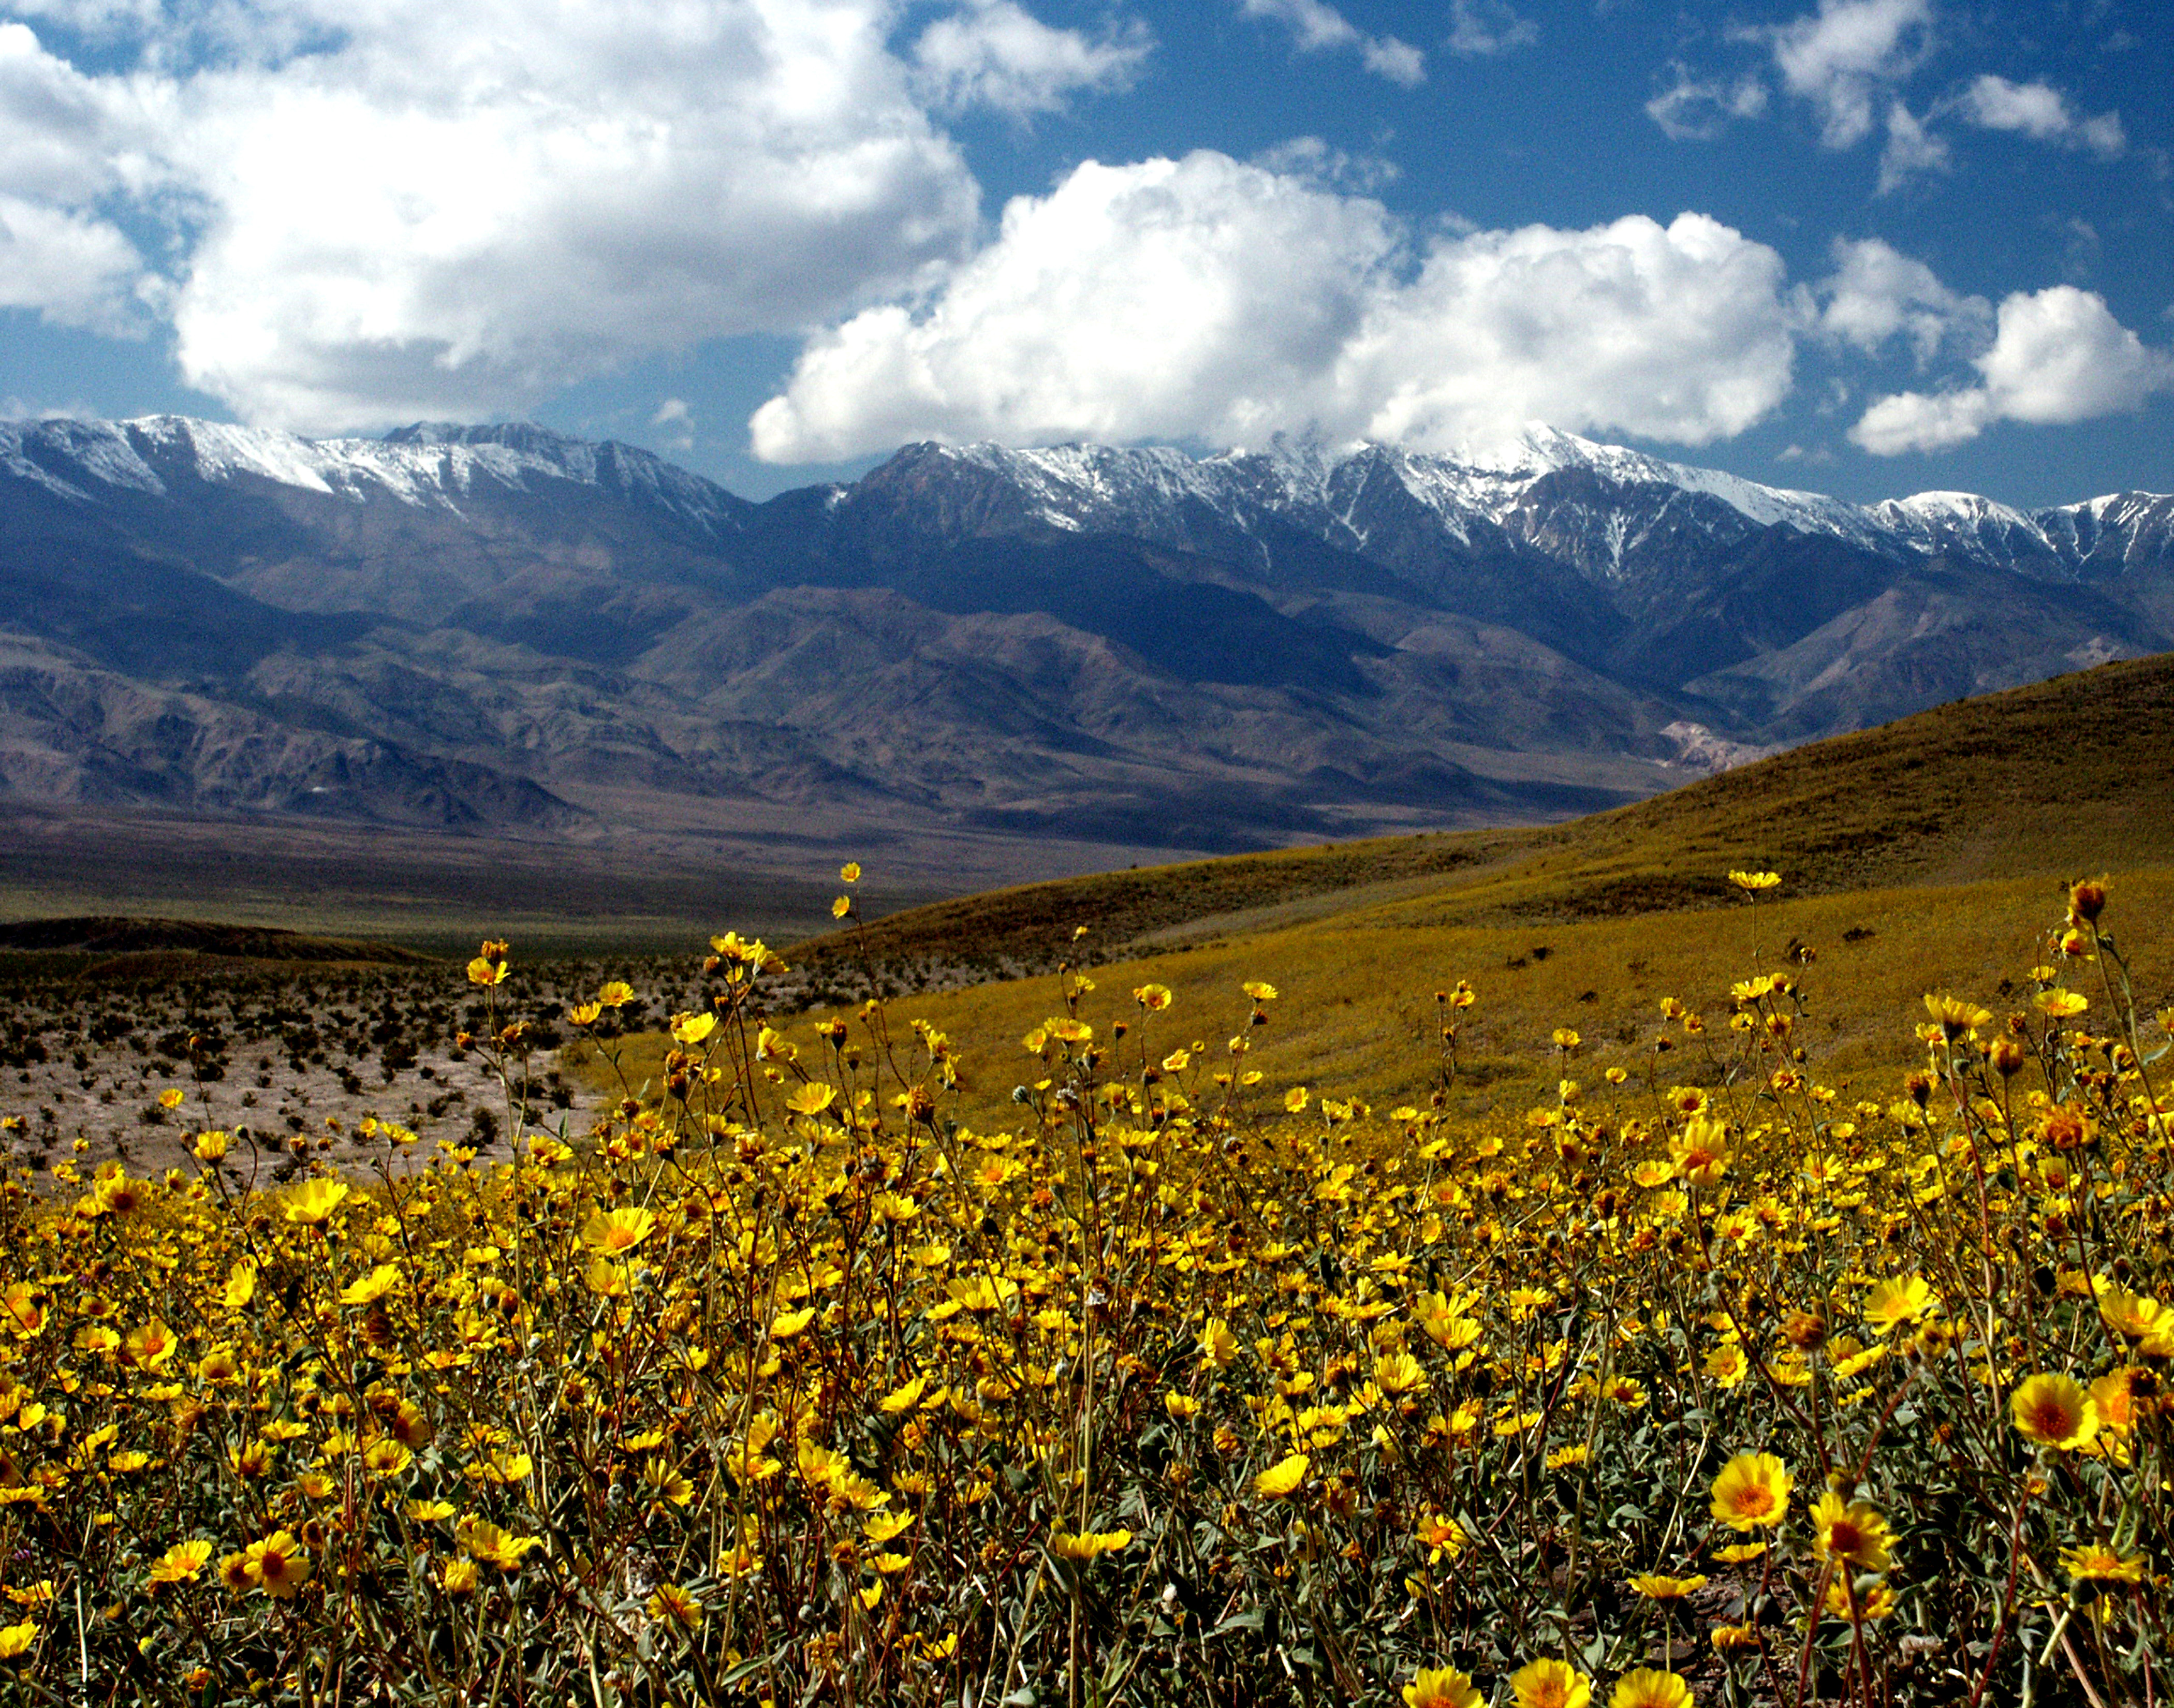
pixel 503 631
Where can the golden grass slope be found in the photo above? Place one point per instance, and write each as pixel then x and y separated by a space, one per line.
pixel 1918 857
pixel 2067 775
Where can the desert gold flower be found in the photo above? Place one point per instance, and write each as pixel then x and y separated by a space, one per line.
pixel 1398 1373
pixel 240 1285
pixel 1848 1599
pixel 1550 1685
pixel 484 1541
pixel 2093 1564
pixel 367 1289
pixel 1661 1588
pixel 2055 1411
pixel 1850 1531
pixel 1893 1302
pixel 2132 1315
pixel 16 1639
pixel 2067 1127
pixel 1649 1688
pixel 675 1606
pixel 1442 1687
pixel 313 1203
pixel 1088 1544
pixel 1282 1477
pixel 608 1279
pixel 1752 1492
pixel 22 1310
pixel 609 1232
pixel 181 1563
pixel 1955 1017
pixel 387 1457
pixel 1752 882
pixel 983 1294
pixel 885 1527
pixel 1701 1153
pixel 1442 1536
pixel 2121 1397
pixel 812 1099
pixel 149 1345
pixel 278 1565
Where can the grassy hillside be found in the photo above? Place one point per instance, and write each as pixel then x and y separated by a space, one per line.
pixel 1926 855
pixel 2046 781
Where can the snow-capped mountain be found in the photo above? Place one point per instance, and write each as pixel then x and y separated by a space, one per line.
pixel 429 464
pixel 1128 644
pixel 1531 489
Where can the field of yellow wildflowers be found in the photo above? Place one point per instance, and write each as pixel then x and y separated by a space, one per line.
pixel 1716 1383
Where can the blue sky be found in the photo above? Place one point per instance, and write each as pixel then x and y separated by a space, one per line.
pixel 1867 246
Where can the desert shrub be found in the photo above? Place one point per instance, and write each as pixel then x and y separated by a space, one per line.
pixel 781 1385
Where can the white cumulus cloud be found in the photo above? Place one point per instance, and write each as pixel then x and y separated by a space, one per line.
pixel 1698 109
pixel 1208 299
pixel 1912 148
pixel 1317 27
pixel 1199 296
pixel 2039 111
pixel 371 210
pixel 1480 29
pixel 2059 357
pixel 1876 294
pixel 1684 331
pixel 996 54
pixel 466 205
pixel 1845 56
pixel 73 270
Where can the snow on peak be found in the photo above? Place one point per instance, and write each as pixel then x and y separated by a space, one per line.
pixel 430 464
pixel 1951 507
pixel 1076 486
pixel 47 451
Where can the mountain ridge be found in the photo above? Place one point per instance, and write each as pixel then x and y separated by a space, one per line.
pixel 508 630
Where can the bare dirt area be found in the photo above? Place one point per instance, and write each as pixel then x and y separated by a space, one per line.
pixel 130 1057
